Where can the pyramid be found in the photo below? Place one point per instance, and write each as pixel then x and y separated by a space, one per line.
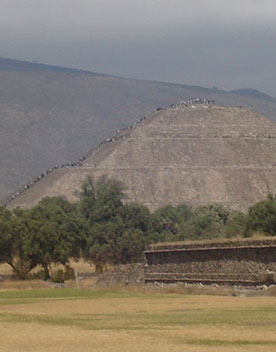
pixel 194 153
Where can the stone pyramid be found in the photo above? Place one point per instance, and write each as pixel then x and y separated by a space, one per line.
pixel 193 152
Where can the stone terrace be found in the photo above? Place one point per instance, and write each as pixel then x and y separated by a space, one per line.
pixel 233 262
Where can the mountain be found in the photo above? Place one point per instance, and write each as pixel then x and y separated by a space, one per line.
pixel 254 93
pixel 194 152
pixel 17 65
pixel 53 115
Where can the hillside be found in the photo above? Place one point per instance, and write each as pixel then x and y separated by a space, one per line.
pixel 192 152
pixel 53 115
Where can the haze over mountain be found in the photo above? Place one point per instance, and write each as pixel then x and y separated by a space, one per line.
pixel 53 115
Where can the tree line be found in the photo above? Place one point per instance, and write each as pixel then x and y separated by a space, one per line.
pixel 100 228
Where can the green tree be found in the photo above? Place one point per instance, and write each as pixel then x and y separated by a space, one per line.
pixel 5 234
pixel 171 218
pixel 140 229
pixel 51 232
pixel 262 217
pixel 116 233
pixel 236 224
pixel 137 216
pixel 100 244
pixel 15 239
pixel 58 232
pixel 130 246
pixel 100 200
pixel 207 221
pixel 100 204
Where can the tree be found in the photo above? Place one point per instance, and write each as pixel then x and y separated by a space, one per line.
pixel 262 217
pixel 101 243
pixel 114 242
pixel 100 200
pixel 170 219
pixel 14 244
pixel 138 216
pixel 116 233
pixel 207 221
pixel 48 233
pixel 58 232
pixel 140 229
pixel 236 224
pixel 5 234
pixel 130 246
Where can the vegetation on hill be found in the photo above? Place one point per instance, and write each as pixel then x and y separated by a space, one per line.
pixel 102 229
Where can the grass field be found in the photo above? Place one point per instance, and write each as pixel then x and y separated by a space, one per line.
pixel 92 320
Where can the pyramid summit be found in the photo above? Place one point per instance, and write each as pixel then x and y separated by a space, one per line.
pixel 194 152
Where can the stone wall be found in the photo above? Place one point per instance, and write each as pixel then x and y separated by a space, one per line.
pixel 248 262
pixel 123 275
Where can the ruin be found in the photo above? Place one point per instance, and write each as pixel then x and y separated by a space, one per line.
pixel 187 153
pixel 248 262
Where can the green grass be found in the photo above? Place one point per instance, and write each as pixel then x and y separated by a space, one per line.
pixel 32 296
pixel 64 294
pixel 203 316
pixel 141 314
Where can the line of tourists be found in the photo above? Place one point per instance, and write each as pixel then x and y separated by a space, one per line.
pixel 119 134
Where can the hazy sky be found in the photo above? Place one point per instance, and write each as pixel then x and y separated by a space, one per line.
pixel 228 44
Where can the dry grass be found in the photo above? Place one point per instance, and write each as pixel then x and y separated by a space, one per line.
pixel 77 320
pixel 23 285
pixel 81 266
pixel 5 269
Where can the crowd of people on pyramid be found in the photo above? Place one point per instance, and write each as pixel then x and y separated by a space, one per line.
pixel 118 134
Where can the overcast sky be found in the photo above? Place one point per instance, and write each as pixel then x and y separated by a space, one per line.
pixel 209 43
